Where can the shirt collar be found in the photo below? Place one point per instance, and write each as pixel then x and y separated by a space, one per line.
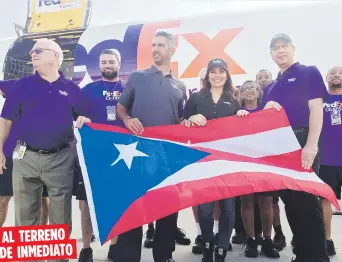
pixel 293 68
pixel 153 69
pixel 61 78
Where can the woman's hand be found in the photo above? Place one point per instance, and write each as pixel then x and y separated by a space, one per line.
pixel 198 119
pixel 242 113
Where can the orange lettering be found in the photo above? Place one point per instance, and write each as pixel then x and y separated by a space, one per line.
pixel 209 49
pixel 144 56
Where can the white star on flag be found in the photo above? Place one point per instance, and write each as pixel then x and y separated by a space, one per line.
pixel 127 153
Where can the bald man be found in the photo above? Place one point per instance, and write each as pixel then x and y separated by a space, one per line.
pixel 45 105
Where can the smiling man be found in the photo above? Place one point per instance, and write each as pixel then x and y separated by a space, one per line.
pixel 300 91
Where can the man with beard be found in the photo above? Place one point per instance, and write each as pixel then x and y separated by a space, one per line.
pixel 102 98
pixel 330 144
pixel 299 90
pixel 153 97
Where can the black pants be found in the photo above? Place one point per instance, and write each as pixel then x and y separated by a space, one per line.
pixel 129 243
pixel 239 226
pixel 305 216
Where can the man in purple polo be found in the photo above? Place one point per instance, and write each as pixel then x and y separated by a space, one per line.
pixel 300 91
pixel 6 187
pixel 331 143
pixel 102 98
pixel 45 105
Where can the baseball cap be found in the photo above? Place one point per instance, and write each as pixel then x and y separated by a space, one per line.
pixel 217 62
pixel 282 37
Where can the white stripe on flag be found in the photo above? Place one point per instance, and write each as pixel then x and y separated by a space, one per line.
pixel 210 169
pixel 274 142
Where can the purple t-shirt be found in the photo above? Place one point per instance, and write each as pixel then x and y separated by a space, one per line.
pixel 102 98
pixel 293 89
pixel 331 136
pixel 253 110
pixel 6 87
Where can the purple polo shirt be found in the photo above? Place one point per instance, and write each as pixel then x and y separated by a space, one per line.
pixel 6 87
pixel 293 89
pixel 45 110
pixel 331 136
pixel 102 96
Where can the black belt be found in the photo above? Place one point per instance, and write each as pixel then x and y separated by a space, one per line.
pixel 44 151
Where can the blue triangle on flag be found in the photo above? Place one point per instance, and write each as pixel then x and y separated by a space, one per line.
pixel 114 185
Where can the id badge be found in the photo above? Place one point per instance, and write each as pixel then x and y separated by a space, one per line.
pixel 111 113
pixel 19 153
pixel 335 117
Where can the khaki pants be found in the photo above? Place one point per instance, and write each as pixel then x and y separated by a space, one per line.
pixel 56 171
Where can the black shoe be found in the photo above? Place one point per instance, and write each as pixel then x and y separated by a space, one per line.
pixel 330 247
pixel 208 252
pixel 268 249
pixel 279 241
pixel 111 252
pixel 92 238
pixel 198 246
pixel 220 254
pixel 259 239
pixel 251 248
pixel 181 238
pixel 148 243
pixel 238 238
pixel 86 255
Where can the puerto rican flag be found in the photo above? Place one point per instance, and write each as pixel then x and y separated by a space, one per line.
pixel 134 180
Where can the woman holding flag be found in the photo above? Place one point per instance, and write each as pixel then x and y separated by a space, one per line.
pixel 215 100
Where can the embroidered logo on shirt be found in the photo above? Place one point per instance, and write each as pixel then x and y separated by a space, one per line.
pixel 291 79
pixel 63 93
pixel 228 103
pixel 174 86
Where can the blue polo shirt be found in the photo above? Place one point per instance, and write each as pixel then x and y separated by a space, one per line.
pixel 331 136
pixel 102 98
pixel 293 89
pixel 45 111
pixel 6 87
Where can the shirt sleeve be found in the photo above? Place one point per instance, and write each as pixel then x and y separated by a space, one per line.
pixel 316 86
pixel 127 97
pixel 6 86
pixel 190 106
pixel 13 103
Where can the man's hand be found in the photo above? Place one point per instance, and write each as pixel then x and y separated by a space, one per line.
pixel 2 162
pixel 309 153
pixel 81 120
pixel 198 119
pixel 134 125
pixel 272 104
pixel 242 113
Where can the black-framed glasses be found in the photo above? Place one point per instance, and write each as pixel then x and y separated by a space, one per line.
pixel 247 88
pixel 39 50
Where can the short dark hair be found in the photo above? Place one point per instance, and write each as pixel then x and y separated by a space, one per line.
pixel 168 36
pixel 263 70
pixel 111 52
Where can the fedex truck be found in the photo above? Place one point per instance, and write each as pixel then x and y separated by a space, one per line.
pixel 241 38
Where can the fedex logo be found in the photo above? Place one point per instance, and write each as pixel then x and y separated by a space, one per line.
pixel 136 51
pixel 57 5
pixel 329 107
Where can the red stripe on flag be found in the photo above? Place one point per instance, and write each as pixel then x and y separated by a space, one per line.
pixel 221 128
pixel 289 160
pixel 152 205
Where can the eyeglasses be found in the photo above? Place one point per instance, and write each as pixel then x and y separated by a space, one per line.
pixel 244 89
pixel 39 50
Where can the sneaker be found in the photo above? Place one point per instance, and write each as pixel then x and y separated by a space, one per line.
pixel 181 238
pixel 111 252
pixel 259 239
pixel 86 255
pixel 198 246
pixel 279 241
pixel 148 243
pixel 268 249
pixel 251 248
pixel 238 238
pixel 208 252
pixel 220 254
pixel 330 248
